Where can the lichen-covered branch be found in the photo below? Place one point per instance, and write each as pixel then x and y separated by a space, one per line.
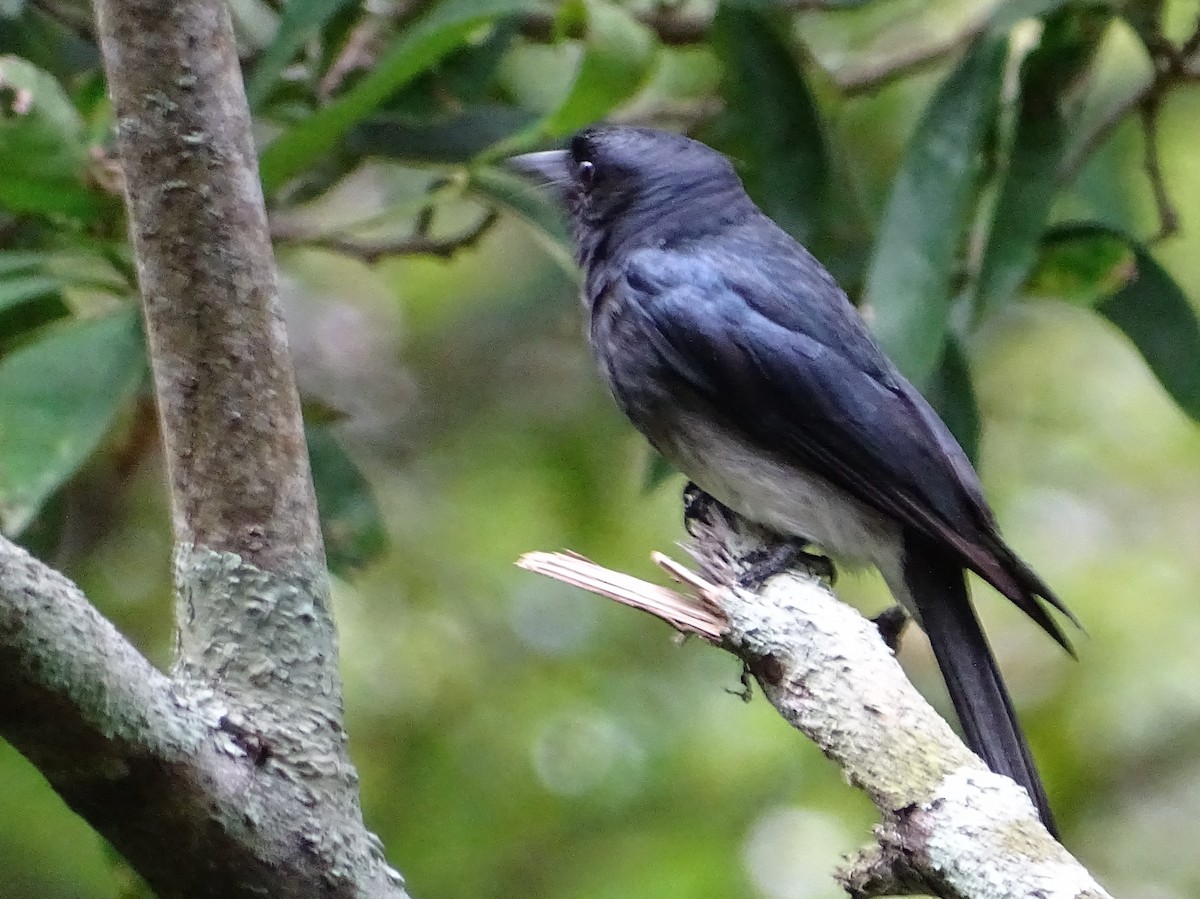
pixel 950 827
pixel 267 765
pixel 167 773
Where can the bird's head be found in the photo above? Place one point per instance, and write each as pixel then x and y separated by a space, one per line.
pixel 622 185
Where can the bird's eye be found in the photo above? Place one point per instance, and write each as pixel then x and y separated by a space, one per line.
pixel 585 173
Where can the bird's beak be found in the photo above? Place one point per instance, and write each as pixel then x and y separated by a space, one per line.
pixel 549 168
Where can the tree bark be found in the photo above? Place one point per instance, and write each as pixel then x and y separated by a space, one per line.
pixel 230 777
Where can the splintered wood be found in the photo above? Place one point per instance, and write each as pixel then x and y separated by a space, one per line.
pixel 688 614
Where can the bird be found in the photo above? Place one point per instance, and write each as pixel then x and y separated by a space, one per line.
pixel 738 356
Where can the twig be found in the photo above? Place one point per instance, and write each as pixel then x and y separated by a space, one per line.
pixel 1168 216
pixel 361 47
pixel 686 615
pixel 1172 68
pixel 951 828
pixel 371 250
pixel 874 75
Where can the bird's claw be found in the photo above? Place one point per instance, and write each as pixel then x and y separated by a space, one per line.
pixel 891 623
pixel 764 564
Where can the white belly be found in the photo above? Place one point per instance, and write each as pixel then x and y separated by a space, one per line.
pixel 784 499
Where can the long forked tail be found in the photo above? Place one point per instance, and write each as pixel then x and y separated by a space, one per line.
pixel 938 588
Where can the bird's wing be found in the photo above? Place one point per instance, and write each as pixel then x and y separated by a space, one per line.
pixel 816 390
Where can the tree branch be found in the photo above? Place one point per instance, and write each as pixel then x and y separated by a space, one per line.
pixel 197 804
pixel 951 828
pixel 257 647
pixel 230 412
pixel 371 250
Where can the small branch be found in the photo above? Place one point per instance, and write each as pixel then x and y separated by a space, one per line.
pixel 686 615
pixel 371 250
pixel 362 45
pixel 1172 68
pixel 877 74
pixel 951 828
pixel 1168 216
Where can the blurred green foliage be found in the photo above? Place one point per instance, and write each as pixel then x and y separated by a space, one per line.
pixel 1011 190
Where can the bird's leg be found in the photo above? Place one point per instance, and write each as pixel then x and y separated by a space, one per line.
pixel 764 564
pixel 760 565
pixel 891 623
pixel 699 506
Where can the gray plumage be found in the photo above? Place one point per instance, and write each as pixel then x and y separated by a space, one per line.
pixel 737 355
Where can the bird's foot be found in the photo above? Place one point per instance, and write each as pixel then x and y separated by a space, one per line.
pixel 700 507
pixel 764 564
pixel 891 623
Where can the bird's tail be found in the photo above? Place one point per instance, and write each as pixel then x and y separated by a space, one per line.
pixel 938 588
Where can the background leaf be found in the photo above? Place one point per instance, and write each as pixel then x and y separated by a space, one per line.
pixel 58 397
pixel 350 519
pixel 910 279
pixel 1153 312
pixel 16 290
pixel 300 19
pixel 952 394
pixel 785 166
pixel 445 27
pixel 42 151
pixel 1029 184
pixel 617 52
pixel 456 138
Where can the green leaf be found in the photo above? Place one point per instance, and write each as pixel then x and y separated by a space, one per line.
pixel 617 53
pixel 951 392
pixel 1042 135
pixel 58 397
pixel 910 279
pixel 454 139
pixel 658 472
pixel 350 519
pixel 786 166
pixel 1156 316
pixel 14 291
pixel 1154 313
pixel 300 19
pixel 445 27
pixel 42 146
pixel 1081 270
pixel 22 260
pixel 518 195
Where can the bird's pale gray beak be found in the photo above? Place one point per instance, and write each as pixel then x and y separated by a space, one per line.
pixel 549 168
